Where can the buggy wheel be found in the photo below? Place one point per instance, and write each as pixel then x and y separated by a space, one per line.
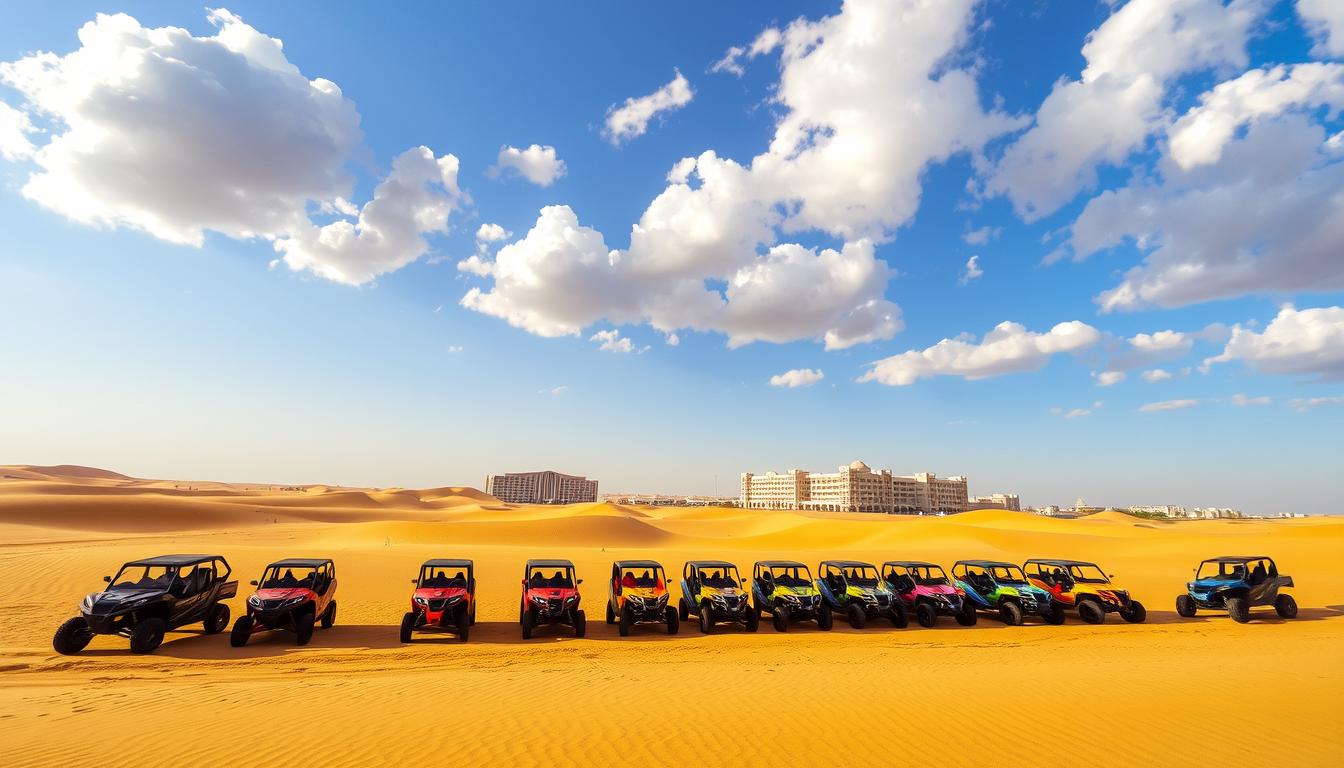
pixel 856 616
pixel 1135 614
pixel 900 619
pixel 753 621
pixel 623 625
pixel 407 626
pixel 463 623
pixel 825 619
pixel 303 628
pixel 1185 606
pixel 967 616
pixel 926 615
pixel 242 631
pixel 218 619
pixel 1285 606
pixel 72 636
pixel 1238 609
pixel 611 615
pixel 683 610
pixel 1055 614
pixel 1090 612
pixel 580 621
pixel 329 615
pixel 673 620
pixel 781 619
pixel 147 635
pixel 525 619
pixel 707 620
pixel 1011 613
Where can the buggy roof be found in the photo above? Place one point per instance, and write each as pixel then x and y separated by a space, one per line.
pixel 988 563
pixel 447 562
pixel 710 564
pixel 913 564
pixel 1237 558
pixel 848 563
pixel 549 564
pixel 300 562
pixel 175 560
pixel 637 564
pixel 780 564
pixel 1048 561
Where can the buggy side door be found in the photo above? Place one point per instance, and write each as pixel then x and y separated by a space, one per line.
pixel 193 592
pixel 1263 588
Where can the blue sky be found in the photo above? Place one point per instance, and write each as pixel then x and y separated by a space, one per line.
pixel 1145 187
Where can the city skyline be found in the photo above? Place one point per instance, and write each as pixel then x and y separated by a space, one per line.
pixel 1064 249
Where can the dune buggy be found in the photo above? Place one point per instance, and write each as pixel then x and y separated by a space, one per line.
pixel 990 585
pixel 444 598
pixel 1084 587
pixel 294 595
pixel 637 594
pixel 785 590
pixel 1236 584
pixel 855 590
pixel 551 596
pixel 712 591
pixel 925 589
pixel 147 598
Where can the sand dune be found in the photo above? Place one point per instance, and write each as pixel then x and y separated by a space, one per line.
pixel 986 695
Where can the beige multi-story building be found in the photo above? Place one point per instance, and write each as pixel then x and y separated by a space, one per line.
pixel 1008 501
pixel 541 488
pixel 855 488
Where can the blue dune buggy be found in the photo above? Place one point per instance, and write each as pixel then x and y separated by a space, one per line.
pixel 1236 584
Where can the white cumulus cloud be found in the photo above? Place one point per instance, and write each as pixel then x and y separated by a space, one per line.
pixel 539 165
pixel 1110 378
pixel 1304 404
pixel 1009 348
pixel 611 340
pixel 1155 375
pixel 158 130
pixel 1296 342
pixel 632 118
pixel 972 270
pixel 798 377
pixel 1242 401
pixel 732 61
pixel 1325 20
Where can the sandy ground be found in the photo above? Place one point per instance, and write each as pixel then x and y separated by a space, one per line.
pixel 1195 692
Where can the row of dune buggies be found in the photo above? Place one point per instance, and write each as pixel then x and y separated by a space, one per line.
pixel 147 598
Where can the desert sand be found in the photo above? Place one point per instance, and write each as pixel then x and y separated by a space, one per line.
pixel 1195 692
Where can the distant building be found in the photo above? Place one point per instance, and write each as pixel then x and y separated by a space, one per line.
pixel 541 488
pixel 855 488
pixel 1216 513
pixel 1166 510
pixel 1049 510
pixel 998 501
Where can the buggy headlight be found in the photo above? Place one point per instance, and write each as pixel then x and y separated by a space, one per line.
pixel 421 601
pixel 571 599
pixel 86 604
pixel 539 600
pixel 295 600
pixel 254 601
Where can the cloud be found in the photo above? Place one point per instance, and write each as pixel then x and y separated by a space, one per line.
pixel 1118 100
pixel 554 391
pixel 1296 342
pixel 477 265
pixel 1009 348
pixel 973 270
pixel 981 236
pixel 14 129
pixel 491 233
pixel 1145 349
pixel 454 350
pixel 414 200
pixel 1199 137
pixel 1168 405
pixel 1324 19
pixel 845 160
pixel 1304 404
pixel 1109 378
pixel 1242 401
pixel 1156 375
pixel 161 131
pixel 798 377
pixel 612 341
pixel 631 119
pixel 539 165
pixel 1266 217
pixel 768 40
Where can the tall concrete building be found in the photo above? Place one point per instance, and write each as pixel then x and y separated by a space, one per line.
pixel 541 488
pixel 1008 501
pixel 855 488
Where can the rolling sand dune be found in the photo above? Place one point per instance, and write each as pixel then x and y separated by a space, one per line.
pixel 1195 692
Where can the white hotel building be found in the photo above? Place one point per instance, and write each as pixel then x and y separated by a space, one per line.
pixel 541 488
pixel 855 488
